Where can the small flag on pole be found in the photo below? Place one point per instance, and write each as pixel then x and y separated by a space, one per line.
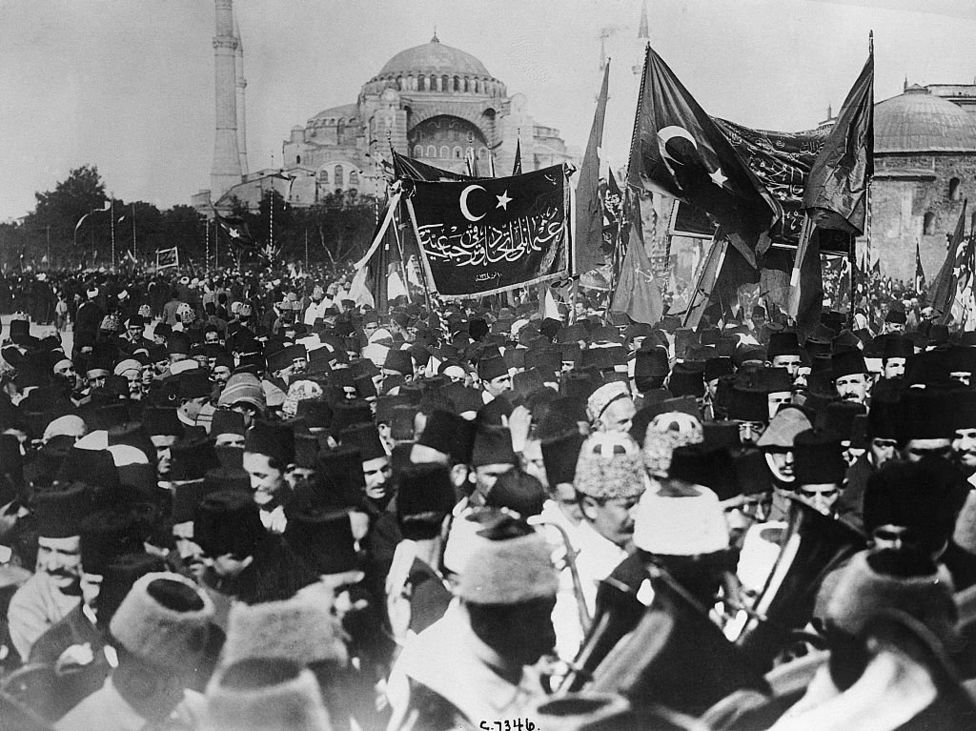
pixel 919 273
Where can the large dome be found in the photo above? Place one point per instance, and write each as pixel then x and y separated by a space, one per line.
pixel 919 121
pixel 436 58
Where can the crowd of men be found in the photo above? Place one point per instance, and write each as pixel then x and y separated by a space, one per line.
pixel 239 503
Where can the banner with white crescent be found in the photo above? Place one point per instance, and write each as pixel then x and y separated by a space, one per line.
pixel 489 235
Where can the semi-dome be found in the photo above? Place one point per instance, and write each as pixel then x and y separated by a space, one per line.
pixel 434 58
pixel 919 121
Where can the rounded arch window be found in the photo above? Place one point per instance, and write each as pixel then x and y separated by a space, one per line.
pixel 431 151
pixel 445 152
pixel 421 83
pixel 323 176
pixel 298 159
pixel 928 223
pixel 457 153
pixel 457 83
pixel 445 83
pixel 954 189
pixel 418 150
pixel 338 175
pixel 353 177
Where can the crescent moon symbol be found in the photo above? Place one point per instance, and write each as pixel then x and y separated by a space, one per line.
pixel 465 211
pixel 666 133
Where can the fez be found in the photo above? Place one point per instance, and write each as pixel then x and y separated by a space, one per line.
pixel 228 522
pixel 449 434
pixel 818 458
pixel 59 511
pixel 559 455
pixel 366 439
pixel 324 539
pixel 274 440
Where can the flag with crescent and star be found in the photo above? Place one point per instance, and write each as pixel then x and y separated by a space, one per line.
pixel 408 168
pixel 492 235
pixel 236 230
pixel 678 150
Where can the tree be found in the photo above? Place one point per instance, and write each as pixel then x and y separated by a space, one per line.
pixel 82 191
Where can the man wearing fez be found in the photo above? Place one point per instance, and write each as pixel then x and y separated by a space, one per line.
pixel 897 350
pixel 75 645
pixel 417 594
pixel 611 408
pixel 851 378
pixel 469 666
pixel 784 352
pixel 819 467
pixel 160 635
pixel 925 425
pixel 54 589
pixel 494 376
pixel 193 395
pixel 446 439
pixel 269 449
pixel 491 456
pixel 895 320
pixel 376 463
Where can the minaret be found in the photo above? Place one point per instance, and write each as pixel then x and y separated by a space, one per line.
pixel 226 170
pixel 241 85
pixel 643 33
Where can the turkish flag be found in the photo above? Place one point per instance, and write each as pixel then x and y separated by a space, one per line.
pixel 678 150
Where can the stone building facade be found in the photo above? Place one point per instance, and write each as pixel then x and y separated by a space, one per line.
pixel 925 166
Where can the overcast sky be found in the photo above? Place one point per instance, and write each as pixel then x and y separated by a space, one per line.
pixel 128 84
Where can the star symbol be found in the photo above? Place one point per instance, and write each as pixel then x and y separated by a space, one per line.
pixel 718 178
pixel 234 233
pixel 503 200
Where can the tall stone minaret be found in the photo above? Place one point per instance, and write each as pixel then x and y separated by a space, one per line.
pixel 226 170
pixel 241 85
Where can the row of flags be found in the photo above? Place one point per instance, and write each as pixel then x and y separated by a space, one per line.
pixel 952 293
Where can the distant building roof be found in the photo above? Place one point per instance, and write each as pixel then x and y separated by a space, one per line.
pixel 918 121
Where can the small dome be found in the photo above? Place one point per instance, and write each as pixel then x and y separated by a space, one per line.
pixel 346 111
pixel 434 58
pixel 919 121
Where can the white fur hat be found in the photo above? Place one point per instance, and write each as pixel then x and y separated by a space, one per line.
pixel 685 523
pixel 301 628
pixel 159 622
pixel 265 693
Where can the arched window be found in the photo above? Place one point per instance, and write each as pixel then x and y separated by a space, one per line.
pixel 354 177
pixel 444 83
pixel 457 153
pixel 337 173
pixel 928 224
pixel 418 150
pixel 324 176
pixel 457 83
pixel 431 151
pixel 445 151
pixel 477 86
pixel 467 84
pixel 298 159
pixel 954 192
pixel 399 83
pixel 421 83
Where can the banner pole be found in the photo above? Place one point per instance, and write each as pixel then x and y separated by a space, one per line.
pixel 425 267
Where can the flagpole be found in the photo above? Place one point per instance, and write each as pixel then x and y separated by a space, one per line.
pixel 112 228
pixel 206 246
pixel 134 254
pixel 425 266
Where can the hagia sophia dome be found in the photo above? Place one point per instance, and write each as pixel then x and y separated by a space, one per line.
pixel 433 102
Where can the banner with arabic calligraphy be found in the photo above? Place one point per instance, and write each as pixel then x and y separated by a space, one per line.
pixel 490 235
pixel 781 161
